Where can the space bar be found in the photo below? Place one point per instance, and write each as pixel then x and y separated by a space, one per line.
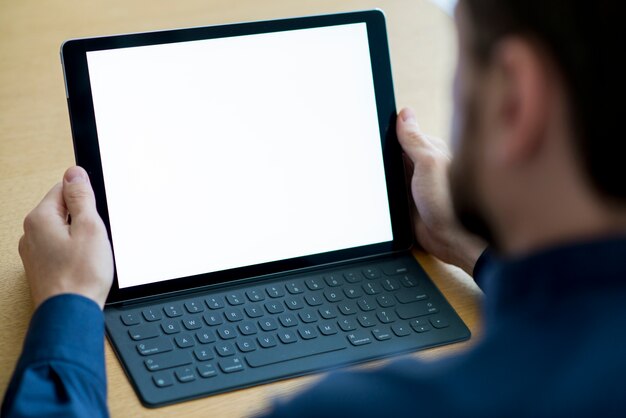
pixel 293 351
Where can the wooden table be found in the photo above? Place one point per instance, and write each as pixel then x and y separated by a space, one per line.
pixel 36 147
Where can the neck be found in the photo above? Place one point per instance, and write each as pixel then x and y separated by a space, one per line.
pixel 553 203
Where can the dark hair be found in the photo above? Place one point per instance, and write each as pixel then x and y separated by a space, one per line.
pixel 585 38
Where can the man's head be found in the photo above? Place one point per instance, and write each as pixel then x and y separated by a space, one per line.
pixel 536 133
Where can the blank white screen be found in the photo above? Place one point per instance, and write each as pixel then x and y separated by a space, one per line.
pixel 231 152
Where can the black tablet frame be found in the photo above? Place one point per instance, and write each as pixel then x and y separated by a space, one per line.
pixel 87 154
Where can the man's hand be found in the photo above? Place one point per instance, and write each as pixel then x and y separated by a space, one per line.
pixel 65 248
pixel 436 228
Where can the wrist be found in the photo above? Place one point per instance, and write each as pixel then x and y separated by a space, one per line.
pixel 470 249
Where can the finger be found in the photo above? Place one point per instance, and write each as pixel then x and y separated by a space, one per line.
pixel 409 134
pixel 413 140
pixel 51 208
pixel 78 194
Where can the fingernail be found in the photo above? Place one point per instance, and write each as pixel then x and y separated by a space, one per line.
pixel 75 175
pixel 407 115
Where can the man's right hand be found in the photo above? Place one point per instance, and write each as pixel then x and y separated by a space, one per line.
pixel 436 228
pixel 60 256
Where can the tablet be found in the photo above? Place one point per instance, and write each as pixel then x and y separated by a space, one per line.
pixel 253 190
pixel 229 153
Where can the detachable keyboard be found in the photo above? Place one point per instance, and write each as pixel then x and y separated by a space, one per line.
pixel 237 336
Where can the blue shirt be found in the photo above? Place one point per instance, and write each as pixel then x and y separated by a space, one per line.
pixel 554 344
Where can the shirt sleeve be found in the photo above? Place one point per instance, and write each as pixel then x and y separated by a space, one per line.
pixel 479 268
pixel 61 371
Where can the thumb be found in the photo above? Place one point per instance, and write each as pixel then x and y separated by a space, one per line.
pixel 77 193
pixel 411 138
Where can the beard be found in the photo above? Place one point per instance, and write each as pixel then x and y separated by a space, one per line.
pixel 466 203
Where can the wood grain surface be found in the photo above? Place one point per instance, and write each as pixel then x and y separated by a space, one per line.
pixel 36 146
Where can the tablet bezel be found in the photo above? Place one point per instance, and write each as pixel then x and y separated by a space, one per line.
pixel 87 155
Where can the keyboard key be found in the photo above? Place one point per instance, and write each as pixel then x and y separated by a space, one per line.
pixel 439 322
pixel 163 380
pixel 170 327
pixel 203 354
pixel 408 281
pixel 308 316
pixel 371 273
pixel 205 337
pixel 385 317
pixel 314 283
pixel 347 324
pixel 307 332
pixel 268 324
pixel 130 318
pixel 206 370
pixel 226 332
pixel 305 348
pixel 275 291
pixel 225 349
pixel 254 311
pixel 214 302
pixel 235 298
pixel 420 325
pixel 142 332
pixel 151 314
pixel 366 320
pixel 194 306
pixel 359 338
pixel 327 329
pixel 314 299
pixel 348 308
pixel 184 341
pixel 352 292
pixel 294 303
pixel 233 314
pixel 381 334
pixel 294 288
pixel 385 301
pixel 246 345
pixel 366 304
pixel 328 312
pixel 401 330
pixel 255 295
pixel 154 346
pixel 333 280
pixel 213 319
pixel 192 323
pixel 287 337
pixel 288 320
pixel 185 374
pixel 394 269
pixel 167 360
pixel 390 284
pixel 333 295
pixel 247 328
pixel 274 307
pixel 371 288
pixel 352 276
pixel 266 341
pixel 410 295
pixel 415 309
pixel 231 365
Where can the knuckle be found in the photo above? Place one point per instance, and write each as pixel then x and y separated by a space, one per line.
pixel 90 225
pixel 30 221
pixel 21 246
pixel 413 136
pixel 78 193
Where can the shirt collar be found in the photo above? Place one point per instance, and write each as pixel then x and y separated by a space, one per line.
pixel 543 277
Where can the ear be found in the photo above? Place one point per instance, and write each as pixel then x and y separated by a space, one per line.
pixel 524 100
